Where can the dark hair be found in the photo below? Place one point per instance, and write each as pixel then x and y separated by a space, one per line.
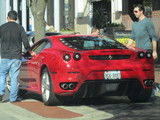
pixel 12 15
pixel 139 6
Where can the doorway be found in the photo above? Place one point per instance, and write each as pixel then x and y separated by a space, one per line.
pixel 101 14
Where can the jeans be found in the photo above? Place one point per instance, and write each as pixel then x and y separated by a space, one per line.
pixel 11 66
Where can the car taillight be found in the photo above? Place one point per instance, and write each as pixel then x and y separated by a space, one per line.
pixel 77 56
pixel 149 55
pixel 141 55
pixel 67 57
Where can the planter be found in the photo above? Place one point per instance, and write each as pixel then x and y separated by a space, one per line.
pixel 67 32
pixel 110 30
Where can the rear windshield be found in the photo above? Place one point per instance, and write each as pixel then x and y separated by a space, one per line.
pixel 91 43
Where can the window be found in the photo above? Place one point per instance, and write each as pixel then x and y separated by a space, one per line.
pixel 41 45
pixel 91 43
pixel 148 8
pixel 156 5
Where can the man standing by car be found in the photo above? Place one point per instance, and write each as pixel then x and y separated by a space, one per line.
pixel 11 37
pixel 143 32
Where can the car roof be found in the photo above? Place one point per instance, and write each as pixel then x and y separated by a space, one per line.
pixel 72 35
pixel 31 33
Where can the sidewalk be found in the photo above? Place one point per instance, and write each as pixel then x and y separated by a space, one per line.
pixel 156 90
pixel 157 73
pixel 10 111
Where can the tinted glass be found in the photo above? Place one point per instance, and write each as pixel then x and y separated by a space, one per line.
pixel 41 45
pixel 91 43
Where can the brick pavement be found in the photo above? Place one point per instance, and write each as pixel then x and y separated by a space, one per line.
pixel 156 90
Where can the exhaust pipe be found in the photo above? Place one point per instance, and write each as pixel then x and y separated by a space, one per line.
pixel 148 83
pixel 71 86
pixel 151 82
pixel 64 86
pixel 68 85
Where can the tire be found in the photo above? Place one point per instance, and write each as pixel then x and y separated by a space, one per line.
pixel 21 93
pixel 48 96
pixel 142 96
pixel 8 83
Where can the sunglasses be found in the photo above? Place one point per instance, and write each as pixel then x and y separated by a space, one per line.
pixel 135 11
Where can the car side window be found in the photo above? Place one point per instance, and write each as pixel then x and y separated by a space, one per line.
pixel 43 44
pixel 48 45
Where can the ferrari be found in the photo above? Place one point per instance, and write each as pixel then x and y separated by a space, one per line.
pixel 86 66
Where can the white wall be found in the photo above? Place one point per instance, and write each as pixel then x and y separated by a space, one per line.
pixel 82 22
pixel 2 12
pixel 116 11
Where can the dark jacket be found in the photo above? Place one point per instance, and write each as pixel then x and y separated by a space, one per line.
pixel 12 35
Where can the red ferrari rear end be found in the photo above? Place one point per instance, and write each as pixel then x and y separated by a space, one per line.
pixel 102 72
pixel 82 66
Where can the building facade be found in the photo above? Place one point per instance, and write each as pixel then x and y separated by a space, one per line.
pixel 23 12
pixel 82 15
pixel 96 13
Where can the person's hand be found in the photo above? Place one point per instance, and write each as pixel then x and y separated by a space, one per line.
pixel 155 56
pixel 131 48
pixel 32 53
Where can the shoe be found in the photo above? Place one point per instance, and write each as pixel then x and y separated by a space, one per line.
pixel 17 100
pixel 1 97
pixel 4 101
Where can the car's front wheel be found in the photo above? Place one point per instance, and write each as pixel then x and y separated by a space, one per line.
pixel 142 96
pixel 21 93
pixel 8 83
pixel 48 96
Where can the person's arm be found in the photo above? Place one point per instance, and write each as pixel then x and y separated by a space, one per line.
pixel 132 38
pixel 26 42
pixel 153 37
pixel 130 42
pixel 154 44
pixel 32 53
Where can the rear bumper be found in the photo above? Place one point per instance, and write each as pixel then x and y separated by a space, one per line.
pixel 109 88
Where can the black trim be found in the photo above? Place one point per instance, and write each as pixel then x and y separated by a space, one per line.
pixel 109 57
pixel 53 72
pixel 73 72
pixel 96 88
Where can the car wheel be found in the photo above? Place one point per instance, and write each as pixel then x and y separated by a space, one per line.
pixel 21 93
pixel 48 96
pixel 142 96
pixel 8 83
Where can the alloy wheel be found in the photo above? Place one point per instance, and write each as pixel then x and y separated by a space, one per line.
pixel 45 86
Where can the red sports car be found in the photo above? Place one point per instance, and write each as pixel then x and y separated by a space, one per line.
pixel 86 66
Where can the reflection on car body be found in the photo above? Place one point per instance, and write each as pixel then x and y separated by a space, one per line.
pixel 86 66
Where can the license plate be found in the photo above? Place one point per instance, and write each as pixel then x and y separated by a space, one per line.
pixel 112 75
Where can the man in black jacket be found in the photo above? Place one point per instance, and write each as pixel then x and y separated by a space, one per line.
pixel 12 35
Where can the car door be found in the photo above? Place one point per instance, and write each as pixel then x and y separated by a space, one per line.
pixel 34 64
pixel 24 76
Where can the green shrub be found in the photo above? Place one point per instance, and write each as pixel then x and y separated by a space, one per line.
pixel 115 25
pixel 67 30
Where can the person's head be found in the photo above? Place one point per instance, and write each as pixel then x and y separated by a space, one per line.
pixel 95 31
pixel 12 15
pixel 138 10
